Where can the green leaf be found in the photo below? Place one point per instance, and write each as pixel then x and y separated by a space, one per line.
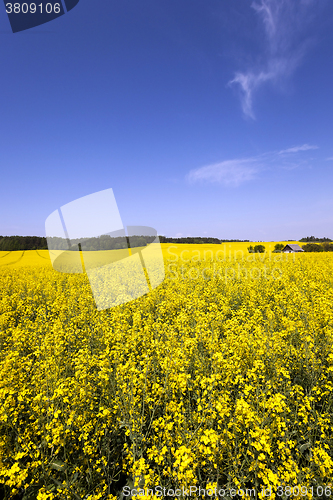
pixel 58 465
pixel 304 447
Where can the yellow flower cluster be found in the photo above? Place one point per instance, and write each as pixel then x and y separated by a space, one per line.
pixel 222 375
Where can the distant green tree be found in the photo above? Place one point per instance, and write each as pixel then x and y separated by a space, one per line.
pixel 278 247
pixel 259 249
pixel 313 238
pixel 313 247
pixel 328 247
pixel 250 249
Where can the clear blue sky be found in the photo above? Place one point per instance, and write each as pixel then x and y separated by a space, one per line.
pixel 206 117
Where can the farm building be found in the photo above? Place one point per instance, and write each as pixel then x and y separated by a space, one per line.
pixel 292 248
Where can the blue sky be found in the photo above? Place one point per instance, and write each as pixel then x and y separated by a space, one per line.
pixel 207 118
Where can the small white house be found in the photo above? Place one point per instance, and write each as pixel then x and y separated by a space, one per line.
pixel 292 248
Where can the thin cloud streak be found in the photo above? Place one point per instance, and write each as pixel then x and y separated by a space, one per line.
pixel 248 83
pixel 233 173
pixel 296 149
pixel 283 22
pixel 229 172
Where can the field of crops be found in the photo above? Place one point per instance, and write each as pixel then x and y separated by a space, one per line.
pixel 221 377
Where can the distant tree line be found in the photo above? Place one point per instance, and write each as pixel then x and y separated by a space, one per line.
pixel 317 247
pixel 234 241
pixel 191 240
pixel 12 243
pixel 313 238
pixel 104 242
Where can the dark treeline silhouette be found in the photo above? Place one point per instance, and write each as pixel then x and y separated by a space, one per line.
pixel 317 247
pixel 235 241
pixel 313 238
pixel 11 243
pixel 104 242
pixel 190 240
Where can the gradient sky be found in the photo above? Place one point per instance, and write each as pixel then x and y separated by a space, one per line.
pixel 206 117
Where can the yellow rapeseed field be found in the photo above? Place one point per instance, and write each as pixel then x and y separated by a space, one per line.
pixel 221 378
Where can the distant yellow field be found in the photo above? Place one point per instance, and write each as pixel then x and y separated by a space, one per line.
pixel 227 251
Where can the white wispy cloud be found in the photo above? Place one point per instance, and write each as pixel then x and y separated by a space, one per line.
pixel 248 83
pixel 233 173
pixel 296 149
pixel 329 159
pixel 284 48
pixel 228 172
